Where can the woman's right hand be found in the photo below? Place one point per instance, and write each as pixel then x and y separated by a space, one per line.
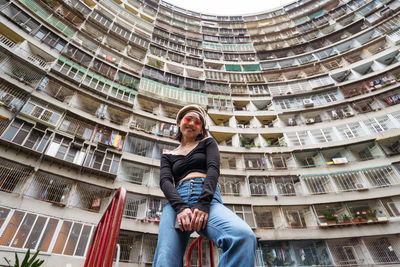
pixel 185 220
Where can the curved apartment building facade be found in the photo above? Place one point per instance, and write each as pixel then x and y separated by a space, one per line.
pixel 302 101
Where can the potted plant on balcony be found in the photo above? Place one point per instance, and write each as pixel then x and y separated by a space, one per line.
pixel 371 215
pixel 246 142
pixel 345 219
pixel 330 216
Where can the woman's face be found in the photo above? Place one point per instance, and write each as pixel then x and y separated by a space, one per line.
pixel 190 125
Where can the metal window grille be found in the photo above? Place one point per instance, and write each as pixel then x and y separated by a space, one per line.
pixel 392 207
pixel 347 252
pixel 89 197
pixel 42 111
pixel 11 97
pixel 13 175
pixel 155 207
pixel 319 184
pixel 130 244
pixel 148 248
pixel 263 216
pixel 261 186
pixel 382 176
pixel 20 71
pixel 230 185
pixel 287 186
pixel 77 127
pixel 3 125
pixel 383 249
pixel 139 146
pixel 49 187
pixel 348 181
pixel 134 172
pixel 295 217
pixel 136 207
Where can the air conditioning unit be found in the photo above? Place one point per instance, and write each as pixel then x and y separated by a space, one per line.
pixel 349 114
pixel 308 102
pixel 310 121
pixel 360 187
pixel 291 122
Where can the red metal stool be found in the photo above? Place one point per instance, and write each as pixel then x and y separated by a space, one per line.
pixel 200 256
pixel 102 248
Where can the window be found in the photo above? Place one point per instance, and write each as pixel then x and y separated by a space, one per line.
pixel 254 161
pixel 13 175
pixel 50 38
pixel 383 249
pixel 104 161
pixel 11 97
pixel 139 146
pixel 77 127
pixel 244 212
pixel 348 181
pixel 381 177
pixel 72 239
pixel 264 217
pixel 230 185
pixel 49 187
pixel 318 184
pixel 77 55
pixel 288 186
pixel 104 69
pixel 134 172
pixel 295 217
pixel 22 19
pixel 89 197
pixel 17 132
pixel 42 111
pixel 261 186
pixel 109 137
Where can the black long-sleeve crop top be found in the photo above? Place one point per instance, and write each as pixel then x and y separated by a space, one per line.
pixel 203 158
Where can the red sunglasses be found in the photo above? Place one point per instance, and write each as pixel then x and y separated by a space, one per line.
pixel 188 119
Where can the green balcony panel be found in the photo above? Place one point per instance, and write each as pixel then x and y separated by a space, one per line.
pixel 230 67
pixel 253 67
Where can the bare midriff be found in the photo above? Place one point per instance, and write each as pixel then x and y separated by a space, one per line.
pixel 193 175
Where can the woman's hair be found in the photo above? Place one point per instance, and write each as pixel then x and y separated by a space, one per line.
pixel 203 134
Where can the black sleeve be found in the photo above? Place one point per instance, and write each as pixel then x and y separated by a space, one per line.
pixel 211 180
pixel 167 185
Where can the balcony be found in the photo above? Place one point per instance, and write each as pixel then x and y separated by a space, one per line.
pixel 102 161
pixel 13 176
pixel 50 188
pixel 137 173
pixel 137 247
pixel 90 197
pixel 21 72
pixel 231 185
pixel 142 208
pixel 49 18
pixel 157 90
pixel 28 137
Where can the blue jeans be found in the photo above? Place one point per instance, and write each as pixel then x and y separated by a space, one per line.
pixel 224 228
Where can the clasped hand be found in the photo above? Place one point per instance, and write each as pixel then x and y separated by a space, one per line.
pixel 192 219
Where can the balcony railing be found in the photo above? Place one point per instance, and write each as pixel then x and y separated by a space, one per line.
pixel 13 176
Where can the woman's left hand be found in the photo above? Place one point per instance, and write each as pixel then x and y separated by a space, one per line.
pixel 199 219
